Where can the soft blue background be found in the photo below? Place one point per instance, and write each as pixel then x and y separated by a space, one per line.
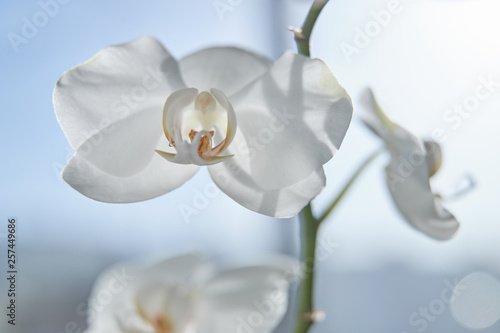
pixel 429 57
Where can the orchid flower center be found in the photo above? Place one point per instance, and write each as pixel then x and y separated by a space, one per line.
pixel 199 126
pixel 139 321
pixel 161 324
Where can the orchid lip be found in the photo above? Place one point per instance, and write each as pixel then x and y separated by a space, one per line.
pixel 199 126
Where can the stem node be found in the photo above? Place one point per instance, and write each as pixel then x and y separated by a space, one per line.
pixel 315 316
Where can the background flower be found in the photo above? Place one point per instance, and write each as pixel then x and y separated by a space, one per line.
pixel 408 174
pixel 187 294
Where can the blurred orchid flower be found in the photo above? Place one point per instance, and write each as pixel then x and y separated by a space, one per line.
pixel 263 130
pixel 185 294
pixel 408 173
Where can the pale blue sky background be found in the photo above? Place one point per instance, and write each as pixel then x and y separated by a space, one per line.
pixel 430 56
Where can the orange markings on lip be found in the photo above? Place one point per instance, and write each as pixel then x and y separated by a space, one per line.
pixel 205 145
pixel 162 324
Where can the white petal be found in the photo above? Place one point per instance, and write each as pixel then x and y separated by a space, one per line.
pixel 235 180
pixel 422 209
pixel 157 178
pixel 118 82
pixel 179 269
pixel 252 299
pixel 293 118
pixel 126 147
pixel 408 181
pixel 225 68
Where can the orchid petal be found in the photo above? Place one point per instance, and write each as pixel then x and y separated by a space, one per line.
pixel 126 147
pixel 225 68
pixel 254 298
pixel 118 82
pixel 234 179
pixel 293 119
pixel 416 202
pixel 157 178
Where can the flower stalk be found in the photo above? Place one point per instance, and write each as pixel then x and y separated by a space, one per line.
pixel 309 224
pixel 309 229
pixel 303 35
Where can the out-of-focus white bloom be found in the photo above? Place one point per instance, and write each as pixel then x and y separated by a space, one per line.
pixel 185 294
pixel 264 130
pixel 411 166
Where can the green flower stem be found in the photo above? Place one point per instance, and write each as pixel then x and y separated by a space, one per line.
pixel 309 226
pixel 303 35
pixel 308 229
pixel 308 223
pixel 351 181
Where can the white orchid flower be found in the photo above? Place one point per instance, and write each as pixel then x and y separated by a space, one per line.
pixel 185 294
pixel 408 173
pixel 263 130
